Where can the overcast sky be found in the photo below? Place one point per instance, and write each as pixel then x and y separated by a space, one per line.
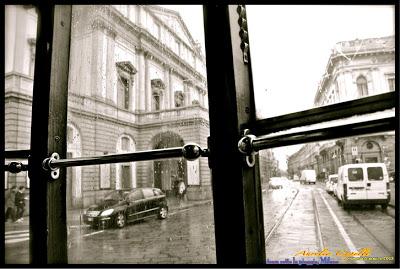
pixel 290 47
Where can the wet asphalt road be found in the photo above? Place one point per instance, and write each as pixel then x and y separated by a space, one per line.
pixel 298 219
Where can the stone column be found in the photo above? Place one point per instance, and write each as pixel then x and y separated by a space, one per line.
pixel 201 97
pixel 20 41
pixel 97 59
pixel 170 90
pixel 147 83
pixel 112 77
pixel 186 91
pixel 141 94
pixel 166 96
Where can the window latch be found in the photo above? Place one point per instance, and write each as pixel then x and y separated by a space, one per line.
pixel 245 146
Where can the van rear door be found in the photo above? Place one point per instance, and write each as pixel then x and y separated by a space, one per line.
pixel 376 182
pixel 356 185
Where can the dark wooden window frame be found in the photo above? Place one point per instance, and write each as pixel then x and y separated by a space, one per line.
pixel 236 187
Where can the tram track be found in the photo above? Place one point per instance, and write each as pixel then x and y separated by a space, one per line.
pixel 362 219
pixel 371 233
pixel 279 221
pixel 317 223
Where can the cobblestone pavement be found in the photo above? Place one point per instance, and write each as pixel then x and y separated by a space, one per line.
pixel 184 237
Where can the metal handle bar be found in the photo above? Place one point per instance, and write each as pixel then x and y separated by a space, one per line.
pixel 249 144
pixel 189 151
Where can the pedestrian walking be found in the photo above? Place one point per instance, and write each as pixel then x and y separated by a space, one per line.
pixel 181 190
pixel 20 203
pixel 10 204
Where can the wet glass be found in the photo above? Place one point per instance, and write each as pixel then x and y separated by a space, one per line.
pixel 330 54
pixel 137 81
pixel 20 44
pixel 310 223
pixel 311 56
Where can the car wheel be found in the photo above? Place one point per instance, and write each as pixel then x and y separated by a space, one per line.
pixel 163 213
pixel 120 220
pixel 384 206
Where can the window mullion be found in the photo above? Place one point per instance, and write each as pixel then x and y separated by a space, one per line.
pixel 48 230
pixel 238 214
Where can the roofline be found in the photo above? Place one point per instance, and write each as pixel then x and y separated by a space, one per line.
pixel 335 55
pixel 176 13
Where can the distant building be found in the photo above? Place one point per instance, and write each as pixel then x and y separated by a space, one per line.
pixel 355 69
pixel 137 82
pixel 269 165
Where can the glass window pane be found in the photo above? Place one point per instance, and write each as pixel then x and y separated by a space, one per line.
pixel 355 174
pixel 133 88
pixel 322 221
pixel 375 173
pixel 329 55
pixel 20 45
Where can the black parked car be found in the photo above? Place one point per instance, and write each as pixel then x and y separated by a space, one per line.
pixel 122 206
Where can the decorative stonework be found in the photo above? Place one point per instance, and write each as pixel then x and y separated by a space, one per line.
pixel 126 66
pixel 102 25
pixel 179 98
pixel 157 83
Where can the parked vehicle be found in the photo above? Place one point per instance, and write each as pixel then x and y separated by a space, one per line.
pixel 296 178
pixel 308 176
pixel 330 184
pixel 363 183
pixel 123 206
pixel 275 183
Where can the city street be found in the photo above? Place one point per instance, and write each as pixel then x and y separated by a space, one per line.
pixel 300 222
pixel 312 221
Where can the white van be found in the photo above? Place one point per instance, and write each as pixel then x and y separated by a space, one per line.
pixel 308 176
pixel 363 183
pixel 330 183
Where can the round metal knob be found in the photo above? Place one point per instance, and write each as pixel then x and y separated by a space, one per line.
pixel 191 151
pixel 245 144
pixel 15 167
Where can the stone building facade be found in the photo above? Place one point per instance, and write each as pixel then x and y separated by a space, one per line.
pixel 269 165
pixel 137 82
pixel 19 41
pixel 356 69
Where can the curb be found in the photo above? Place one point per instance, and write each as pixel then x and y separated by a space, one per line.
pixel 200 203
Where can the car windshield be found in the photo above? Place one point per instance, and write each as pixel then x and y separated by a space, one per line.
pixel 334 179
pixel 375 173
pixel 115 195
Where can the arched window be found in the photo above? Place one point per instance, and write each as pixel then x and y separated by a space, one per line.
pixel 362 86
